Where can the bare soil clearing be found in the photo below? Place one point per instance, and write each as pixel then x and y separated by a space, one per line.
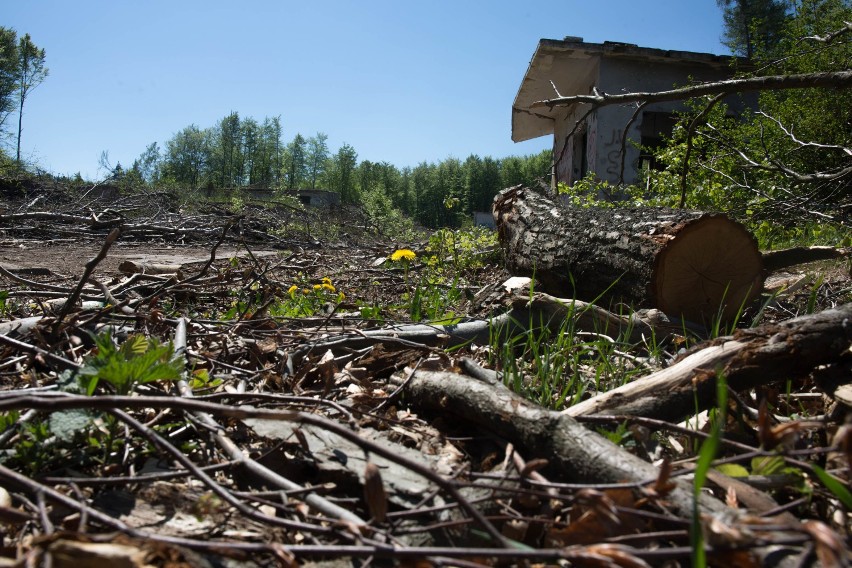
pixel 66 259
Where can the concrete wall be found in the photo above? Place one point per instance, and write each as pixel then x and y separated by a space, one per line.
pixel 624 75
pixel 568 153
pixel 484 219
pixel 604 129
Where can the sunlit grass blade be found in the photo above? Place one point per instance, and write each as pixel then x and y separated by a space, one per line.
pixel 705 460
pixel 835 486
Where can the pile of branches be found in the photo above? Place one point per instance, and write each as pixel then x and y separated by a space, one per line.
pixel 51 211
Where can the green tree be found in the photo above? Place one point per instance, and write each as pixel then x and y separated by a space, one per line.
pixel 317 158
pixel 226 160
pixel 341 174
pixel 187 157
pixel 367 177
pixel 251 166
pixel 787 161
pixel 404 198
pixel 425 211
pixel 388 178
pixel 296 162
pixel 148 164
pixel 512 171
pixel 8 72
pixel 272 135
pixel 266 160
pixel 30 74
pixel 537 168
pixel 752 25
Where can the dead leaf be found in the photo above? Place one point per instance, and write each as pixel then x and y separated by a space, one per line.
pixel 374 493
pixel 618 555
pixel 829 547
pixel 72 554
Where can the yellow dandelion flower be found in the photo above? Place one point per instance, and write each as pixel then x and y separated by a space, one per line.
pixel 329 287
pixel 292 289
pixel 306 291
pixel 403 254
pixel 341 296
pixel 317 286
pixel 326 280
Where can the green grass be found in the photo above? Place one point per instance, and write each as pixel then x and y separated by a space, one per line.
pixel 556 366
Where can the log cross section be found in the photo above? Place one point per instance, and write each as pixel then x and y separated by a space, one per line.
pixel 690 264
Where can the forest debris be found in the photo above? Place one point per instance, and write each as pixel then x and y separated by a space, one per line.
pixel 785 258
pixel 132 267
pixel 339 459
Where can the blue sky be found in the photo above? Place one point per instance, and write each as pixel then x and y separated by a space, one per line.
pixel 402 82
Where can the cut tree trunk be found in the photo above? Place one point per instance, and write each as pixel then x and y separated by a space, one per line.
pixel 690 264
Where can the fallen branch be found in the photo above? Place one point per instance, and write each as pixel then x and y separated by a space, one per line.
pixel 836 79
pixel 234 452
pixel 785 258
pixel 578 454
pixel 750 357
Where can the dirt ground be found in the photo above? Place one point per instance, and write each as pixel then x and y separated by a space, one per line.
pixel 68 258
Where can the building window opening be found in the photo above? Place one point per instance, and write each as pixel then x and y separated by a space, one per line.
pixel 655 130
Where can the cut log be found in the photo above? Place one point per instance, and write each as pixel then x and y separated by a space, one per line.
pixel 690 264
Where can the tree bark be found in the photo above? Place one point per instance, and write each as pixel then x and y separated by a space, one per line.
pixel 689 264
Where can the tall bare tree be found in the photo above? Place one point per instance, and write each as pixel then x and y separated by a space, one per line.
pixel 31 72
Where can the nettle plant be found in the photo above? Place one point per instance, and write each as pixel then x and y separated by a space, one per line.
pixel 139 360
pixel 46 442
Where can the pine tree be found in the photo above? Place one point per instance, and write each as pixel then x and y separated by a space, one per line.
pixel 317 158
pixel 8 72
pixel 296 162
pixel 752 25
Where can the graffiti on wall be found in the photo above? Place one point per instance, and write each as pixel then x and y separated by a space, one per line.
pixel 612 153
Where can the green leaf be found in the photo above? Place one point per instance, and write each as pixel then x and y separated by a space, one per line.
pixel 732 470
pixel 768 465
pixel 837 487
pixel 135 345
pixel 139 360
pixel 66 424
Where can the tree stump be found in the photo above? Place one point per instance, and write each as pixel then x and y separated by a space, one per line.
pixel 689 264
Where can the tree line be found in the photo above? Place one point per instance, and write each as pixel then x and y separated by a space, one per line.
pixel 240 152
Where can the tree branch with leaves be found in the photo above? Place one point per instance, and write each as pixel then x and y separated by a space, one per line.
pixel 792 152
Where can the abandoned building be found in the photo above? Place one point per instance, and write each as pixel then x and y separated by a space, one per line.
pixel 574 67
pixel 315 197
